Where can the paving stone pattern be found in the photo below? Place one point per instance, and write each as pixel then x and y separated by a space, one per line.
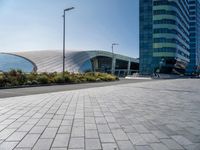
pixel 157 115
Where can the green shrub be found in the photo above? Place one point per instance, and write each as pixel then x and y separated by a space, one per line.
pixel 90 78
pixel 2 80
pixel 13 81
pixel 73 79
pixel 59 79
pixel 31 76
pixel 28 82
pixel 67 78
pixel 35 82
pixel 21 77
pixel 43 79
pixel 17 77
pixel 82 78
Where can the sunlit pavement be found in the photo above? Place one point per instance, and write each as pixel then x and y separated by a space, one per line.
pixel 157 115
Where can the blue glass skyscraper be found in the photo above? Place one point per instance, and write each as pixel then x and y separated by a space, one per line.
pixel 194 8
pixel 166 36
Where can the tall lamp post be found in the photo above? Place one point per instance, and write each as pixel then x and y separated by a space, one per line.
pixel 113 65
pixel 68 9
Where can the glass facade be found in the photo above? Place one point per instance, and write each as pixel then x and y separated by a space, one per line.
pixel 104 64
pixel 165 35
pixel 8 62
pixel 146 36
pixel 194 64
pixel 86 67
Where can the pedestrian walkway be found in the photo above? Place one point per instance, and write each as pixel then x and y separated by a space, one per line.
pixel 160 115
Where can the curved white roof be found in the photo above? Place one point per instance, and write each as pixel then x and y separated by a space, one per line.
pixel 51 60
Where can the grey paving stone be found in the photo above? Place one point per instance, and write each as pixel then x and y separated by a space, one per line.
pixel 78 131
pixel 138 113
pixel 110 146
pixel 43 144
pixel 6 133
pixel 3 126
pixel 137 139
pixel 191 137
pixel 114 126
pixel 141 128
pixel 15 125
pixel 68 117
pixel 125 145
pixel 194 146
pixel 100 120
pixel 25 128
pixel 107 138
pixel 91 134
pixel 16 136
pixel 61 149
pixel 194 131
pixel 76 143
pixel 150 138
pixel 159 134
pixel 7 121
pixel 166 130
pixel 48 116
pixel 28 141
pixel 22 149
pixel 61 140
pixel 23 119
pixel 49 133
pixel 38 129
pixel 181 140
pixel 76 149
pixel 64 129
pixel 143 148
pixel 159 146
pixel 92 144
pixel 103 128
pixel 171 144
pixel 43 122
pixel 149 125
pixel 119 134
pixel 110 119
pixel 1 141
pixel 15 116
pixel 67 122
pixel 89 120
pixel 90 126
pixel 128 129
pixel 32 121
pixel 78 122
pixel 58 117
pixel 8 145
pixel 54 123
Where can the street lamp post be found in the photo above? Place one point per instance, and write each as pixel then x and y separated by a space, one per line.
pixel 113 65
pixel 68 9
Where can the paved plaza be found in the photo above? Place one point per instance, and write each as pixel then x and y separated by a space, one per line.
pixel 156 115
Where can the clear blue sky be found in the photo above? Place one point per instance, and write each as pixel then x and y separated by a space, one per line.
pixel 93 25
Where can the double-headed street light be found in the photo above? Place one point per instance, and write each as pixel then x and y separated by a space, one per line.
pixel 68 9
pixel 113 63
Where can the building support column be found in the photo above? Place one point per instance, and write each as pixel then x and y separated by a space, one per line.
pixel 129 68
pixel 94 64
pixel 113 64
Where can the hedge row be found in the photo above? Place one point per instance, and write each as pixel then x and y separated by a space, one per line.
pixel 19 78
